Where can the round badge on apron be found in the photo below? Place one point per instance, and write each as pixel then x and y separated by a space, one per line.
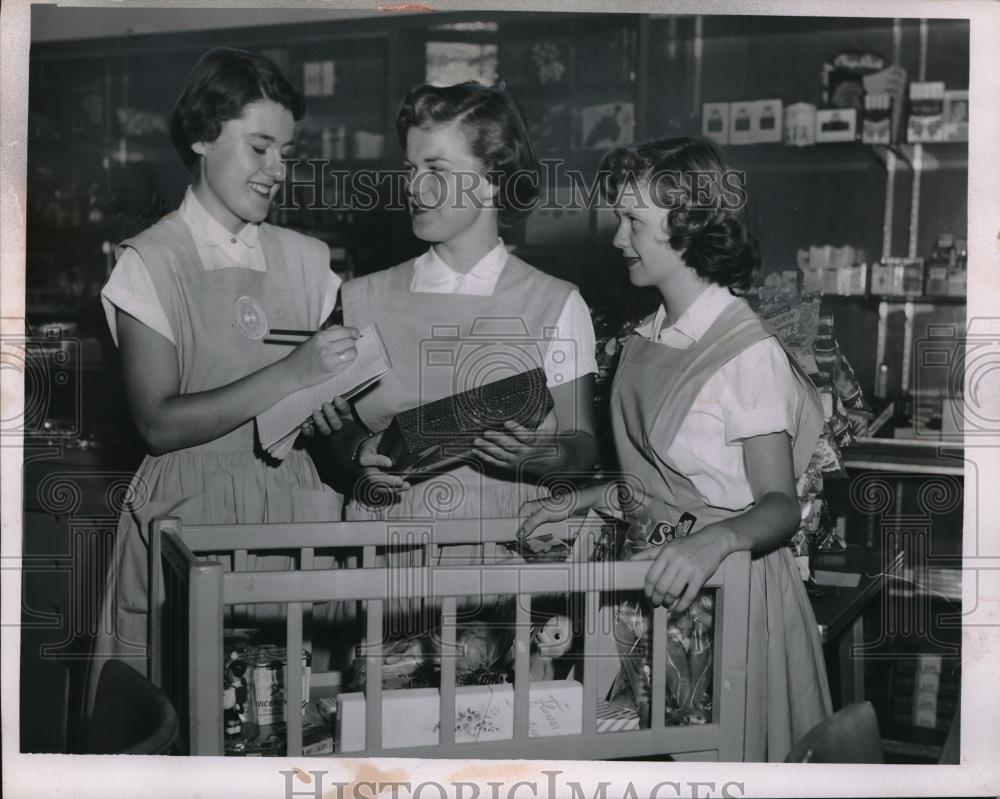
pixel 249 318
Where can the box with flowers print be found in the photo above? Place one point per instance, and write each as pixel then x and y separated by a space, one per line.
pixel 411 716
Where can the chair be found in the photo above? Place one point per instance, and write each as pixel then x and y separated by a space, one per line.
pixel 131 716
pixel 850 735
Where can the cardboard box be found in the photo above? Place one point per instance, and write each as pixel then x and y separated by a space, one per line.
pixel 742 122
pixel 715 122
pixel 936 279
pixel 876 122
pixel 926 120
pixel 836 125
pixel 800 124
pixel 883 279
pixel 767 121
pixel 852 281
pixel 958 281
pixel 891 81
pixel 956 115
pixel 913 277
pixel 410 716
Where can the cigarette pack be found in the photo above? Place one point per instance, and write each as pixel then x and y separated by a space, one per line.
pixel 876 124
pixel 836 125
pixel 715 122
pixel 742 122
pixel 800 124
pixel 956 115
pixel 883 278
pixel 767 121
pixel 926 121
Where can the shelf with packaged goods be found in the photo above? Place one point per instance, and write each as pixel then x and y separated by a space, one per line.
pixel 918 456
pixel 893 299
pixel 847 156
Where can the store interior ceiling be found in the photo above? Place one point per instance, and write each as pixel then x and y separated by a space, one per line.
pixel 51 23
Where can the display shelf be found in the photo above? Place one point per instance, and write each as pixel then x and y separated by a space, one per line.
pixel 848 156
pixel 929 155
pixel 835 156
pixel 894 299
pixel 909 749
pixel 918 457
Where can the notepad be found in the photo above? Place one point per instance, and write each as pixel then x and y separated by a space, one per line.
pixel 278 426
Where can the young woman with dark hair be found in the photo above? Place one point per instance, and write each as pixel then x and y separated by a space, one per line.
pixel 471 166
pixel 711 418
pixel 189 303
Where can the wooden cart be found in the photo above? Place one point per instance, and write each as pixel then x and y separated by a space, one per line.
pixel 186 639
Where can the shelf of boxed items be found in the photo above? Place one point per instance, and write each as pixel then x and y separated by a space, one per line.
pixel 916 456
pixel 892 299
pixel 847 156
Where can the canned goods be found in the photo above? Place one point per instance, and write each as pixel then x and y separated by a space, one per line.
pixel 269 678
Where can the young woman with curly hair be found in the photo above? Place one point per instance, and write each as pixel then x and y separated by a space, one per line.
pixel 712 418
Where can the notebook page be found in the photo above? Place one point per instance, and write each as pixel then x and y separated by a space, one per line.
pixel 278 426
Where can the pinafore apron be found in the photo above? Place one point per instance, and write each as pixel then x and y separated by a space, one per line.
pixel 219 319
pixel 653 391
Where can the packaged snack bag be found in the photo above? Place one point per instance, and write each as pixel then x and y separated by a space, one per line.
pixel 689 640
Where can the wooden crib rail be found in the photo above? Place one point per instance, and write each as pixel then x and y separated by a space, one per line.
pixel 722 738
pixel 184 633
pixel 227 538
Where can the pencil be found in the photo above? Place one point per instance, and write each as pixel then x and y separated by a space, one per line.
pixel 274 331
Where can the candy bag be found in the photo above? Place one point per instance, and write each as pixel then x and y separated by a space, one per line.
pixel 687 676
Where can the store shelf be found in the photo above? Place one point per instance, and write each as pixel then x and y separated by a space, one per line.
pixel 847 156
pixel 908 749
pixel 892 299
pixel 918 457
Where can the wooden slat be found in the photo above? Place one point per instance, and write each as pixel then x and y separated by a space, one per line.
pixel 522 666
pixel 226 538
pixel 326 584
pixel 373 677
pixel 448 656
pixel 241 564
pixel 154 576
pixel 658 700
pixel 599 746
pixel 591 628
pixel 205 658
pixel 732 643
pixel 293 679
pixel 306 563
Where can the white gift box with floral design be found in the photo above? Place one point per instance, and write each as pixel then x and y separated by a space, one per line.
pixel 410 716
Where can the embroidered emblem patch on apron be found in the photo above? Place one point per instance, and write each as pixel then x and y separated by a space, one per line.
pixel 249 318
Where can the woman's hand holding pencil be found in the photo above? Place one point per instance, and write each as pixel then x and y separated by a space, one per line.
pixel 322 354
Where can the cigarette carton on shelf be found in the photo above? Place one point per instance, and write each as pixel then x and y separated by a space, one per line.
pixel 768 121
pixel 836 125
pixel 800 124
pixel 742 122
pixel 715 122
